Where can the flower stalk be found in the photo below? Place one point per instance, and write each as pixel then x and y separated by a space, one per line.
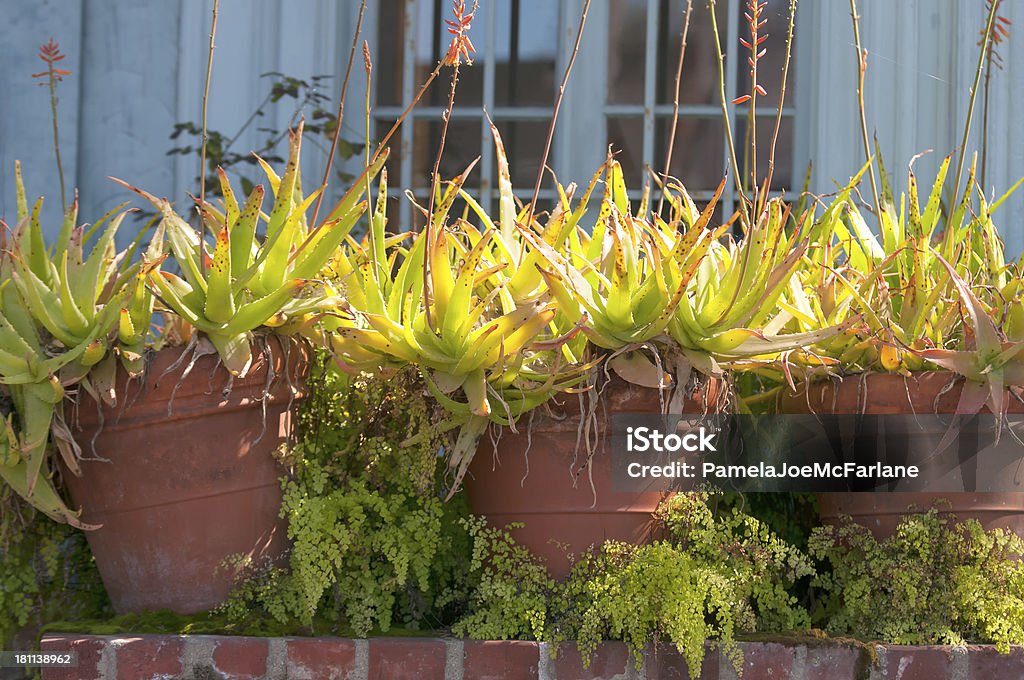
pixel 558 105
pixel 50 54
pixel 675 101
pixel 726 117
pixel 206 98
pixel 862 66
pixel 341 111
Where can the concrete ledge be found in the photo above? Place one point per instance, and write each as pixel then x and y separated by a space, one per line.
pixel 203 657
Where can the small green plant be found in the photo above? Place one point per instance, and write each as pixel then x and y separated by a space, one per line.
pixel 248 282
pixel 46 572
pixel 933 582
pixel 307 100
pixel 719 574
pixel 374 545
pixel 716 575
pixel 510 591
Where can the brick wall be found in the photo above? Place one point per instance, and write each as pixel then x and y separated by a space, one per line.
pixel 172 657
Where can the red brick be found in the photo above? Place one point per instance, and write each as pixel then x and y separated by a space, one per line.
pixel 918 663
pixel 835 662
pixel 149 657
pixel 407 659
pixel 241 658
pixel 89 650
pixel 665 662
pixel 321 658
pixel 765 660
pixel 609 660
pixel 500 660
pixel 985 662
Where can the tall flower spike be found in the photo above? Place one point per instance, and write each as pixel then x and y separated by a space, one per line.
pixel 1000 32
pixel 754 24
pixel 461 46
pixel 49 52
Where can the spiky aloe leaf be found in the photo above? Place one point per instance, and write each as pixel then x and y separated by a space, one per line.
pixel 43 497
pixel 220 295
pixel 243 230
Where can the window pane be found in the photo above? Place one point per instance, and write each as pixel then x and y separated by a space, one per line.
pixel 395 144
pixel 461 148
pixel 697 154
pixel 769 67
pixel 627 41
pixel 525 50
pixel 387 52
pixel 699 83
pixel 524 144
pixel 626 135
pixel 782 178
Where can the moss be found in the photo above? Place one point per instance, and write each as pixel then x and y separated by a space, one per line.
pixel 815 638
pixel 166 622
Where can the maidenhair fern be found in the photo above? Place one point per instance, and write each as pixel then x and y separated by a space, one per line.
pixel 932 582
pixel 373 543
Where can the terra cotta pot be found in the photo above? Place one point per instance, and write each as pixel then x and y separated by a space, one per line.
pixel 536 477
pixel 181 475
pixel 923 393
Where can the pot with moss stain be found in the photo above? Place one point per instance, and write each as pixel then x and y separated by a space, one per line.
pixel 882 394
pixel 181 475
pixel 566 503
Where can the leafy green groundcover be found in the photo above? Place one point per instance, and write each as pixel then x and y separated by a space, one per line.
pixel 46 572
pixel 933 582
pixel 716 575
pixel 374 545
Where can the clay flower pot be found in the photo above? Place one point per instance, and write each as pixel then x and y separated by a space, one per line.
pixel 881 393
pixel 178 486
pixel 537 478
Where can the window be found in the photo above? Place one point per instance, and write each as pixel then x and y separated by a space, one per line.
pixel 512 79
pixel 621 92
pixel 643 53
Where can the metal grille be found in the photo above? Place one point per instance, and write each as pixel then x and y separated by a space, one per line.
pixel 514 79
pixel 497 27
pixel 659 76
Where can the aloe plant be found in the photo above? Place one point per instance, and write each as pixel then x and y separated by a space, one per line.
pixel 901 282
pixel 59 317
pixel 28 372
pixel 443 304
pixel 501 317
pixel 676 284
pixel 931 291
pixel 246 282
pixel 68 293
pixel 993 364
